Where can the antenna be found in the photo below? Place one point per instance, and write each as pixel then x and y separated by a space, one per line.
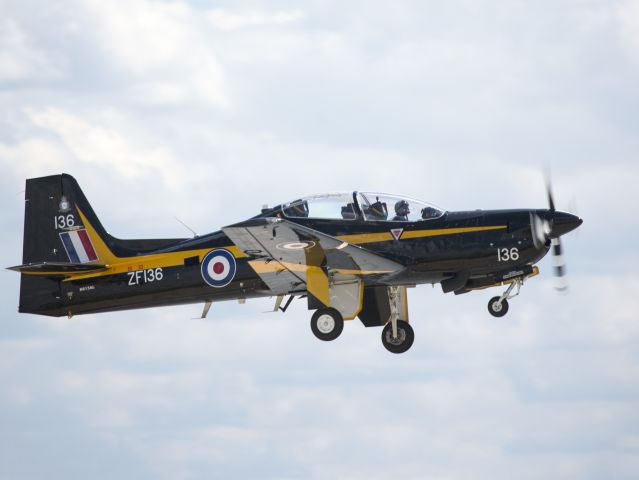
pixel 187 227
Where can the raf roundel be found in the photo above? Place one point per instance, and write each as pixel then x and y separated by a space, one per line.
pixel 218 268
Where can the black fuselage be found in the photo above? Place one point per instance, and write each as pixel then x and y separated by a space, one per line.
pixel 461 250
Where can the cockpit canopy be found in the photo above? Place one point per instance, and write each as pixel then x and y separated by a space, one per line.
pixel 373 207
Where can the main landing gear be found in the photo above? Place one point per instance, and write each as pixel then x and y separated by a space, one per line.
pixel 401 339
pixel 398 335
pixel 498 306
pixel 327 324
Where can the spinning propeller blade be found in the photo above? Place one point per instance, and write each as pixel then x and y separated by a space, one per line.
pixel 559 266
pixel 551 226
pixel 551 198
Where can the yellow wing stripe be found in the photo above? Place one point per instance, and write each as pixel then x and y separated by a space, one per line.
pixel 316 280
pixel 317 284
pixel 266 266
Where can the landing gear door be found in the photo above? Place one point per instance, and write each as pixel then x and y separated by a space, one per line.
pixel 376 309
pixel 347 298
pixel 402 303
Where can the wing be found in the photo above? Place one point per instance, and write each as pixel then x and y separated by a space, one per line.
pixel 288 257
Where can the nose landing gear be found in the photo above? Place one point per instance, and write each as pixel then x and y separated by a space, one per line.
pixel 498 306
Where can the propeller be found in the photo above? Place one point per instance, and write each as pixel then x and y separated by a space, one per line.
pixel 550 226
pixel 558 262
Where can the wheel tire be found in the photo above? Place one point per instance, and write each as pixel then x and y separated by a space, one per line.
pixel 497 310
pixel 327 324
pixel 405 337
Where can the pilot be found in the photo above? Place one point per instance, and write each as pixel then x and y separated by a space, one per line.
pixel 377 211
pixel 401 211
pixel 298 209
pixel 429 212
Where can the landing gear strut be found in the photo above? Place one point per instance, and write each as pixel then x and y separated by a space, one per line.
pixel 327 324
pixel 498 306
pixel 398 335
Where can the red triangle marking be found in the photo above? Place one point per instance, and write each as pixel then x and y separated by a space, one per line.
pixel 397 233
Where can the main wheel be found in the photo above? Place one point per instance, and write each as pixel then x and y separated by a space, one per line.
pixel 404 340
pixel 496 309
pixel 327 324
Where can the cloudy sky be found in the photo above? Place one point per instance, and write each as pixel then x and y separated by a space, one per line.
pixel 208 110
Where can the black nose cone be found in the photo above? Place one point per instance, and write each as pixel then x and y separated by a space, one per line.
pixel 563 222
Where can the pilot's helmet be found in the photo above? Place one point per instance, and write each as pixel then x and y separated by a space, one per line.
pixel 401 208
pixel 298 209
pixel 429 212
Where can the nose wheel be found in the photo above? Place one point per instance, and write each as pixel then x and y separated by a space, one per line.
pixel 498 307
pixel 327 324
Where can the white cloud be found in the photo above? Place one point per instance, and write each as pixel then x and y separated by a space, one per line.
pixel 33 157
pixel 107 147
pixel 165 47
pixel 21 59
pixel 628 19
pixel 232 20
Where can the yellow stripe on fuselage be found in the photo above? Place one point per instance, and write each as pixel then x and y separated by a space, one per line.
pixel 360 238
pixel 117 265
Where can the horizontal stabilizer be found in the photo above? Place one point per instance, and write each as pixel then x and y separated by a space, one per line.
pixel 57 268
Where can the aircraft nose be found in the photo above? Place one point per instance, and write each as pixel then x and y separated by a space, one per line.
pixel 563 222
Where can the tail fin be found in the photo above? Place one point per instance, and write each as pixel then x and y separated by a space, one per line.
pixel 54 230
pixel 61 226
pixel 63 233
pixel 54 234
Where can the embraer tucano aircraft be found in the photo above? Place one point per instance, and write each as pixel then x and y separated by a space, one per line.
pixel 350 255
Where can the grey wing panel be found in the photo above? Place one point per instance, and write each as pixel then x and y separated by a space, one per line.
pixel 277 277
pixel 294 246
pixel 341 255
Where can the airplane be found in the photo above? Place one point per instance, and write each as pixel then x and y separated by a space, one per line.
pixel 350 255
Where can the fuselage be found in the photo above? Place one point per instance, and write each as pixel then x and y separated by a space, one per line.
pixel 481 244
